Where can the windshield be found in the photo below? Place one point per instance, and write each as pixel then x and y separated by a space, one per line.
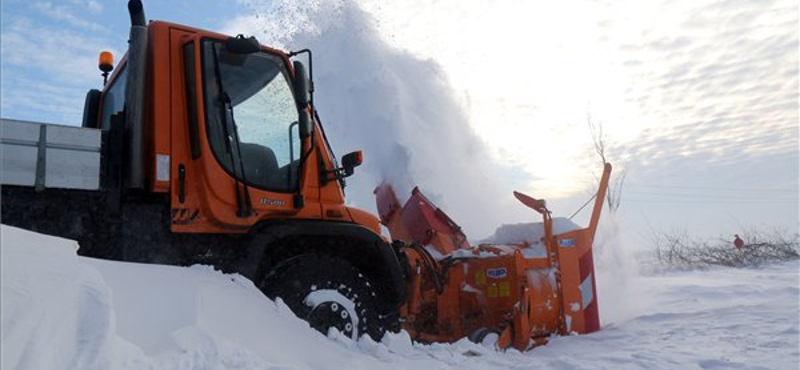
pixel 251 116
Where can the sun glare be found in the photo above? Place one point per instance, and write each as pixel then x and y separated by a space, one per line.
pixel 526 77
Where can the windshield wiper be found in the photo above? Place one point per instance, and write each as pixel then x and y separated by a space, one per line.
pixel 232 144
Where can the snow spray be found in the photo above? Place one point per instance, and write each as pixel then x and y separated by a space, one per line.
pixel 399 109
pixel 618 285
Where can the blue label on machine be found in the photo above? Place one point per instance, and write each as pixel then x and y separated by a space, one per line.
pixel 566 242
pixel 497 273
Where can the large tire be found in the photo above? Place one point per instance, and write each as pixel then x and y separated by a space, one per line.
pixel 328 292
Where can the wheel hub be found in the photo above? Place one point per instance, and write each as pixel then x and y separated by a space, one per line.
pixel 328 315
pixel 331 309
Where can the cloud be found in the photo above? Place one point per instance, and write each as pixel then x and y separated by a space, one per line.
pixel 47 86
pixel 93 6
pixel 26 98
pixel 715 76
pixel 709 98
pixel 65 13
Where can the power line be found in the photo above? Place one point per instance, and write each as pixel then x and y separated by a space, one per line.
pixel 717 201
pixel 795 190
pixel 713 196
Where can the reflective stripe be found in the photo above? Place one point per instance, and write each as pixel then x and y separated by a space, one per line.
pixel 587 291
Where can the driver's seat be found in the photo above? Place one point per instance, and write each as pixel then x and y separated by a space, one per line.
pixel 260 165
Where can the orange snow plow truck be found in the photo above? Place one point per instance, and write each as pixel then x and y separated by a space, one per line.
pixel 205 148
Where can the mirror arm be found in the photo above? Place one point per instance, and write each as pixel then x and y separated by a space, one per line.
pixel 337 174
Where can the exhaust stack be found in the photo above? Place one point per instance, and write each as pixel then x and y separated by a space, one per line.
pixel 134 96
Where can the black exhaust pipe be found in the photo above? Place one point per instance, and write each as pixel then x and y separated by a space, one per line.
pixel 136 10
pixel 134 96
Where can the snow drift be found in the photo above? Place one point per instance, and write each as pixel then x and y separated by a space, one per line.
pixel 56 311
pixel 62 311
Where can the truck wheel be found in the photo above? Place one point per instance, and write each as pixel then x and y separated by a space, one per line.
pixel 328 292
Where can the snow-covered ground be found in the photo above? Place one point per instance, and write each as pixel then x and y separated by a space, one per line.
pixel 61 311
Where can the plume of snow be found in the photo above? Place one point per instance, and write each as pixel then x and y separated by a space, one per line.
pixel 620 292
pixel 399 109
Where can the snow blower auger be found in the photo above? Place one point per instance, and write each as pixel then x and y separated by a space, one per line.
pixel 518 293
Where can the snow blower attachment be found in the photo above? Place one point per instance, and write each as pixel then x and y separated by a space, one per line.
pixel 519 293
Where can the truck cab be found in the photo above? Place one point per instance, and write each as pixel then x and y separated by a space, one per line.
pixel 228 134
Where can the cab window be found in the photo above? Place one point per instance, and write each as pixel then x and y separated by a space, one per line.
pixel 251 116
pixel 114 98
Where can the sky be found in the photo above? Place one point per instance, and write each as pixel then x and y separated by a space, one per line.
pixel 697 99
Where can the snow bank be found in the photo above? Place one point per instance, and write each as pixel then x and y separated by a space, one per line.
pixel 56 311
pixel 61 311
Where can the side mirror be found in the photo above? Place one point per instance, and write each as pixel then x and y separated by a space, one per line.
pixel 350 161
pixel 91 108
pixel 305 123
pixel 302 87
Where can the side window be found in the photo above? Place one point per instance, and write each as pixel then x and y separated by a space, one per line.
pixel 114 98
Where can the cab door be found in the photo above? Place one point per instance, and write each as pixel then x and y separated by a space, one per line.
pixel 237 142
